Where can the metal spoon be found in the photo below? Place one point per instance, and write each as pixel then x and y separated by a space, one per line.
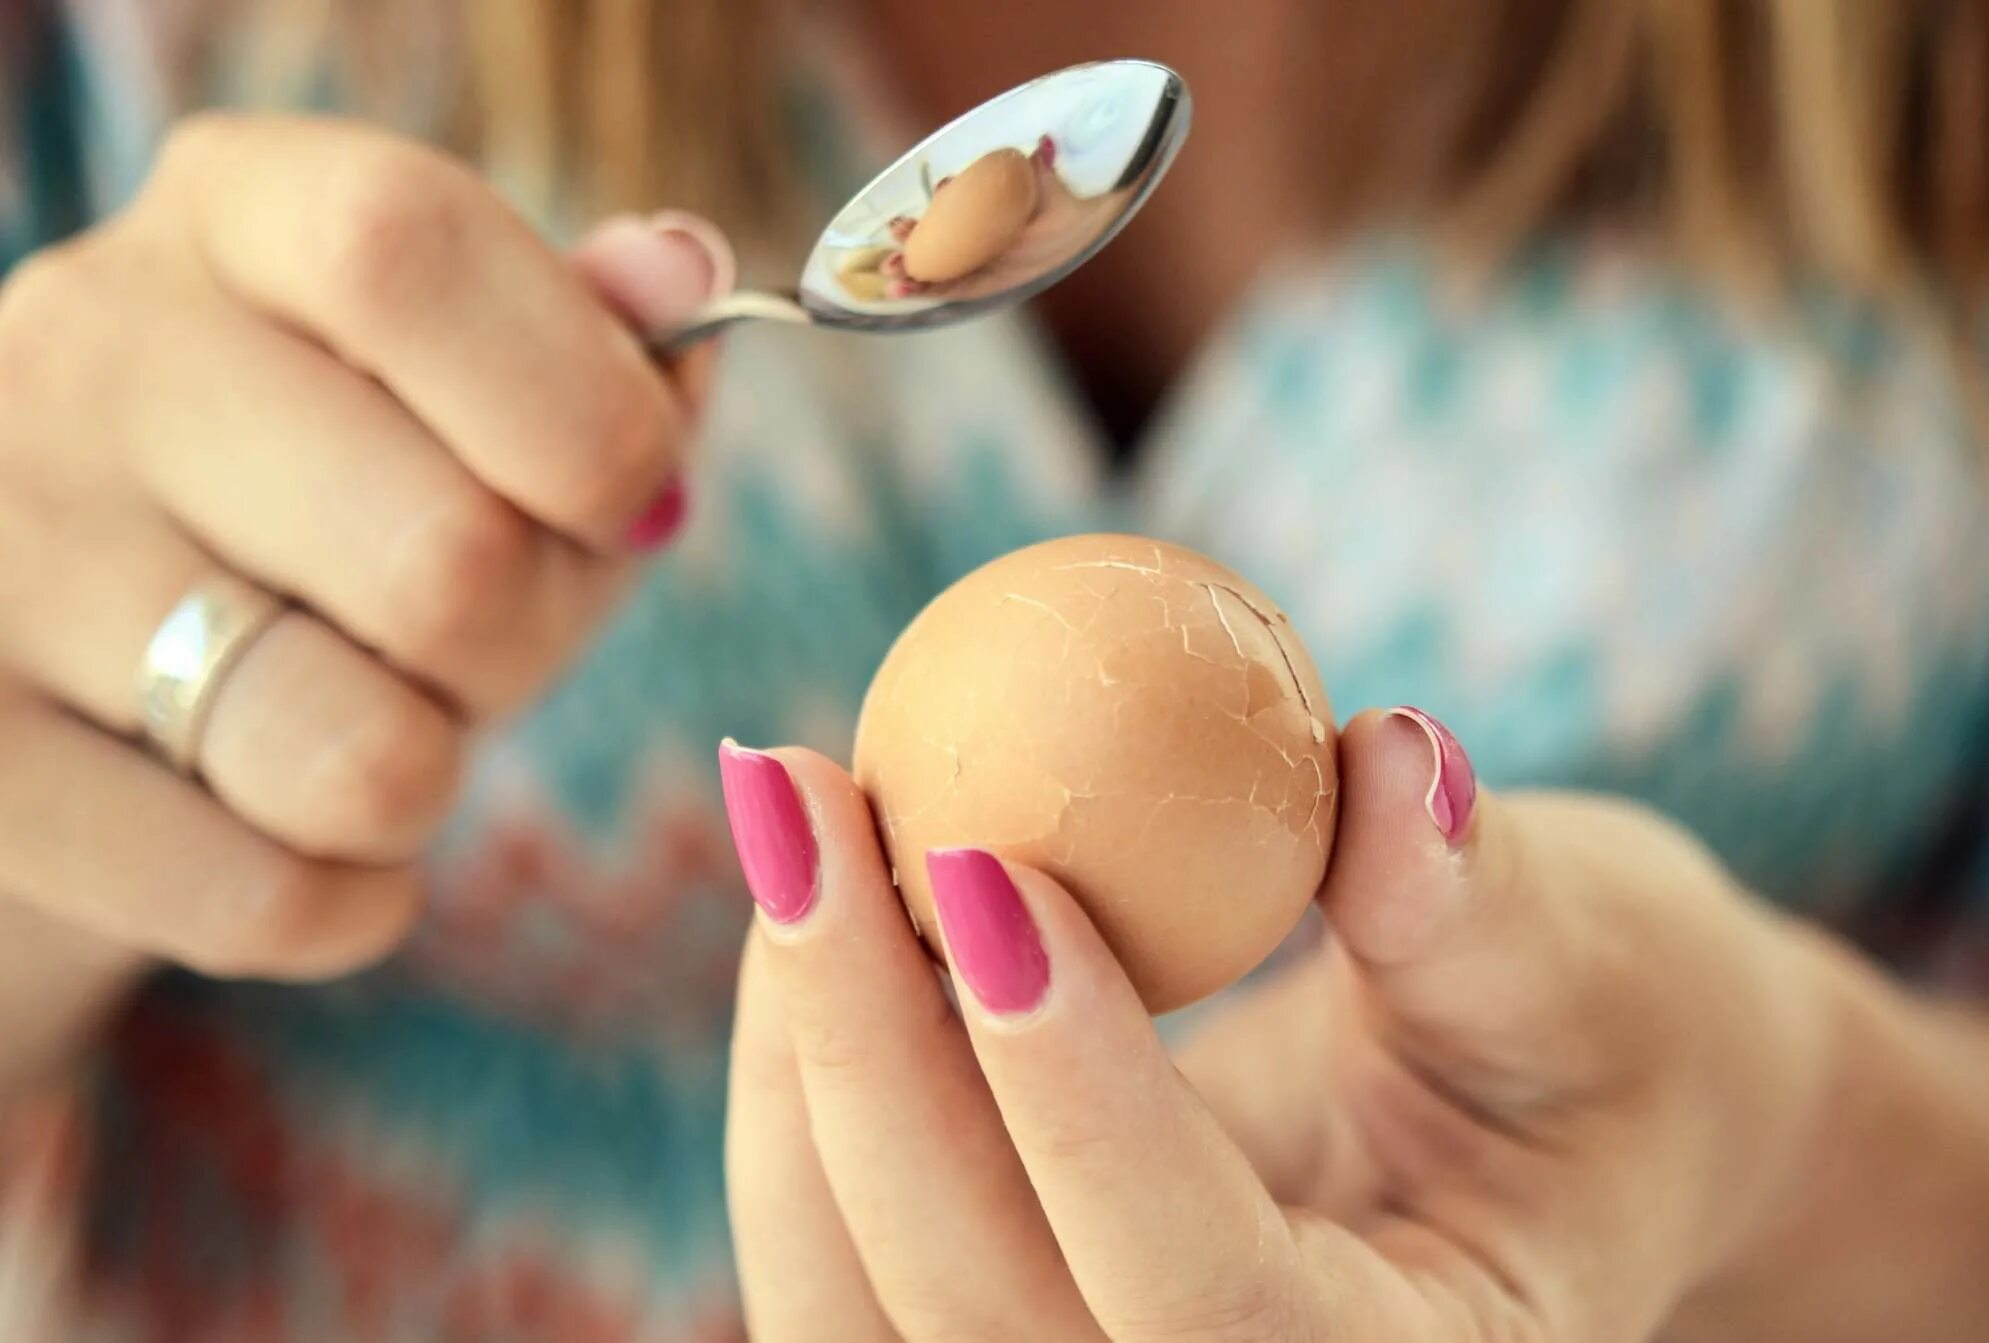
pixel 1104 133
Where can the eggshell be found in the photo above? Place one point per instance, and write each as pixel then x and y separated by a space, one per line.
pixel 1133 719
pixel 973 218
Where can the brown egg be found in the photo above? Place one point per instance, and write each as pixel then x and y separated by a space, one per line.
pixel 861 275
pixel 1131 718
pixel 973 218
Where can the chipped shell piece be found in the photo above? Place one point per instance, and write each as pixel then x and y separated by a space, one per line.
pixel 1133 719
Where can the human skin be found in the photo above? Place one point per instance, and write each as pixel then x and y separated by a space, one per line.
pixel 1553 1078
pixel 1874 1227
pixel 338 365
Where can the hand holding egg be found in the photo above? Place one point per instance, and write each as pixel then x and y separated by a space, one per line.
pixel 1481 1108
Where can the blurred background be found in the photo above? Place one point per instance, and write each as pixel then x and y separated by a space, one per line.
pixel 1602 375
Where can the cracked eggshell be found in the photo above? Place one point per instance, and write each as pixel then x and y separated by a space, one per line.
pixel 1133 719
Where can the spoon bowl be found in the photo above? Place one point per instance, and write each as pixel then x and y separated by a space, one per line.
pixel 1098 136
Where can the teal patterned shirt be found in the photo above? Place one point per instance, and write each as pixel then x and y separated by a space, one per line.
pixel 1616 533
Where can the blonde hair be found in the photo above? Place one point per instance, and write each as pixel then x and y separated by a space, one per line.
pixel 577 107
pixel 1841 139
pixel 1846 140
pixel 634 104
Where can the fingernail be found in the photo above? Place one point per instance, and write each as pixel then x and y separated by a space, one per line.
pixel 988 931
pixel 700 248
pixel 662 520
pixel 771 831
pixel 1046 152
pixel 657 271
pixel 1453 785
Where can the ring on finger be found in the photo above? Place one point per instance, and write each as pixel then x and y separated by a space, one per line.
pixel 189 657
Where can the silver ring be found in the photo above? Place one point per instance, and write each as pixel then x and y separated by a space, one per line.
pixel 191 654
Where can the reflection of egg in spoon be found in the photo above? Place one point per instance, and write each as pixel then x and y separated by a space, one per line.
pixel 973 218
pixel 1131 718
pixel 992 252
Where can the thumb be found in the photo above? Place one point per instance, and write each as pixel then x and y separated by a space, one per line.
pixel 657 271
pixel 1470 919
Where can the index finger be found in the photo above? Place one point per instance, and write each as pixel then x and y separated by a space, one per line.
pixel 414 271
pixel 1167 1229
pixel 797 1265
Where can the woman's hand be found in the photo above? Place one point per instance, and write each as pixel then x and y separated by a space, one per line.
pixel 1551 1078
pixel 339 367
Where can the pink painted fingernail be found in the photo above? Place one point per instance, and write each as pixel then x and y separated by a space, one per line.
pixel 662 520
pixel 1453 783
pixel 988 931
pixel 701 251
pixel 1046 152
pixel 656 272
pixel 771 831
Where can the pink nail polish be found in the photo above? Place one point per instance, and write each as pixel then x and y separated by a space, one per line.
pixel 1046 152
pixel 1453 785
pixel 662 520
pixel 704 252
pixel 771 831
pixel 988 931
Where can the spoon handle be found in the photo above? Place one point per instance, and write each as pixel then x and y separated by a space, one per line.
pixel 741 305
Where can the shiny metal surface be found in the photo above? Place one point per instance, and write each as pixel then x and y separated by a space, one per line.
pixel 1112 128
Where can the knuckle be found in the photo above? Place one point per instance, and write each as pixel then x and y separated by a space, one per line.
pixel 265 923
pixel 303 919
pixel 35 521
pixel 1247 1311
pixel 390 916
pixel 38 286
pixel 193 141
pixel 954 1312
pixel 1073 1141
pixel 41 300
pixel 458 571
pixel 841 1059
pixel 390 919
pixel 836 1059
pixel 392 774
pixel 395 229
pixel 633 446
